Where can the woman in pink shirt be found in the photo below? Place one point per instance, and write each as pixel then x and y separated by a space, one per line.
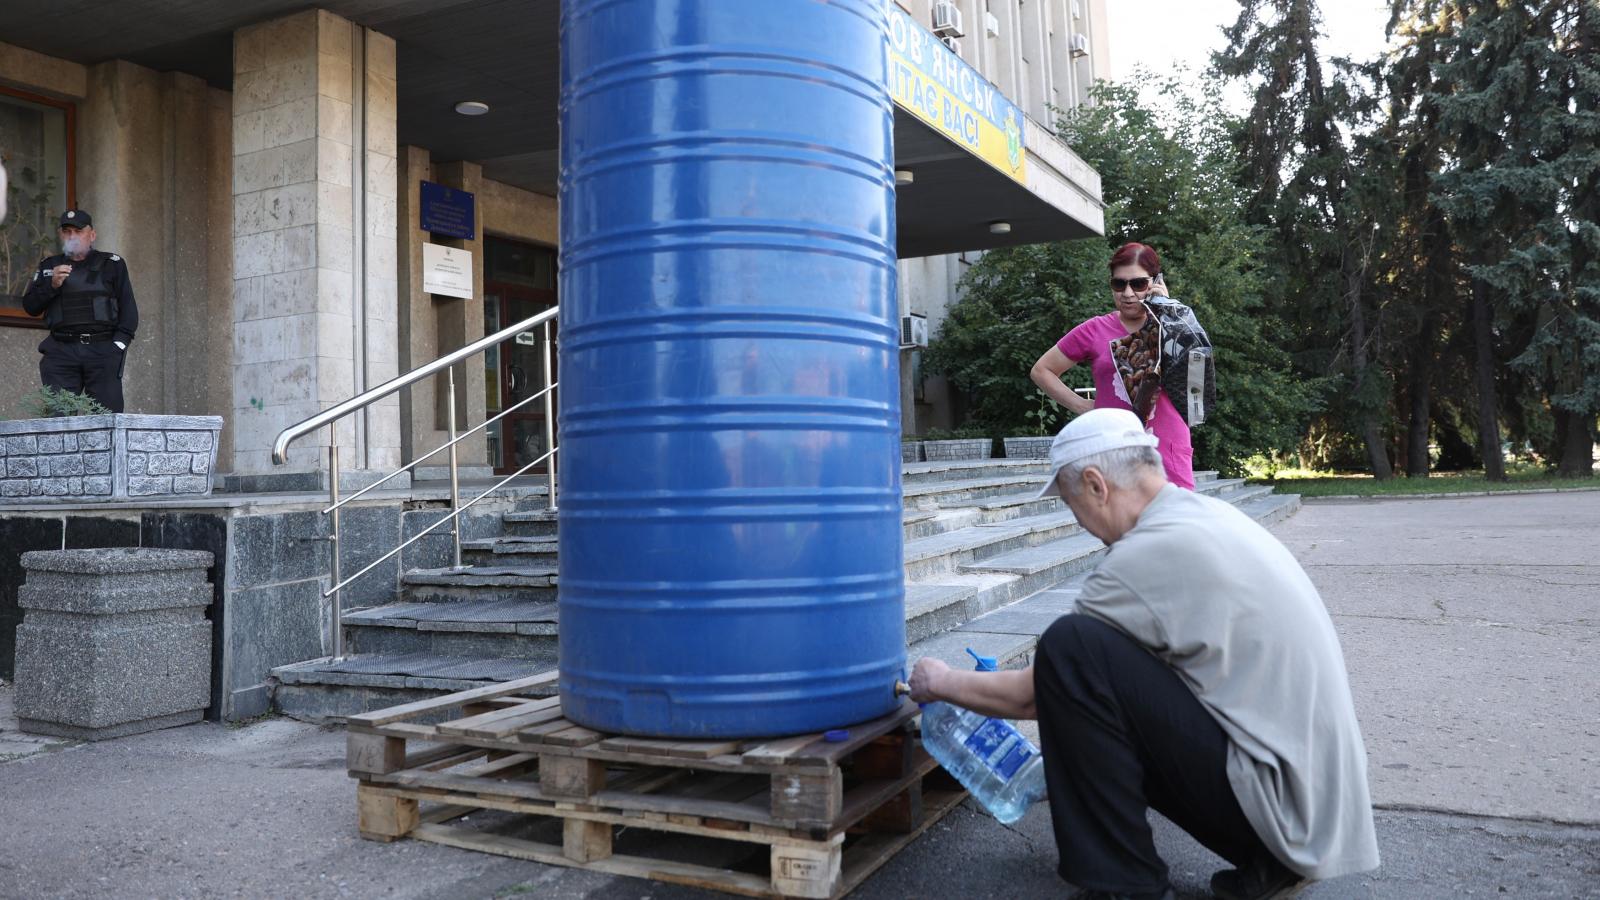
pixel 1134 270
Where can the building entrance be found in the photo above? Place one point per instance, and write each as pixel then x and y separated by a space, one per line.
pixel 519 281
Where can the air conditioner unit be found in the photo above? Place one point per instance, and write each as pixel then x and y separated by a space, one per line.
pixel 953 44
pixel 947 19
pixel 991 24
pixel 1077 9
pixel 1080 46
pixel 913 331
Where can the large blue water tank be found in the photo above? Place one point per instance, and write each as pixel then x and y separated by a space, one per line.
pixel 730 514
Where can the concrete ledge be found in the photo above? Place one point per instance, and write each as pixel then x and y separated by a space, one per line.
pixel 1457 494
pixel 113 642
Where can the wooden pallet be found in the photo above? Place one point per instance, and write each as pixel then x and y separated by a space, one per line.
pixel 828 813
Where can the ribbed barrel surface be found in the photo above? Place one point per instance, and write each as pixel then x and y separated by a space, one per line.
pixel 730 487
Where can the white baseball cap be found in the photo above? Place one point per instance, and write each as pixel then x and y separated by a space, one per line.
pixel 1096 431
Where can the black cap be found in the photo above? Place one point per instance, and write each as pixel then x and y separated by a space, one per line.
pixel 76 218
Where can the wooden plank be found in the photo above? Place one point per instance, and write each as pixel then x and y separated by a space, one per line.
pixel 814 799
pixel 433 755
pixel 536 734
pixel 503 766
pixel 813 872
pixel 373 753
pixel 756 813
pixel 381 816
pixel 824 754
pixel 445 813
pixel 900 815
pixel 634 866
pixel 584 841
pixel 417 707
pixel 576 736
pixel 454 756
pixel 651 749
pixel 887 756
pixel 868 796
pixel 492 713
pixel 569 776
pixel 502 722
pixel 408 730
pixel 646 780
pixel 467 785
pixel 777 752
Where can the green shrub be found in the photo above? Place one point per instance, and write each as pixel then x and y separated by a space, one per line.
pixel 49 403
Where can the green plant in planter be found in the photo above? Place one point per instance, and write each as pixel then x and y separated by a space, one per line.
pixel 965 432
pixel 1043 419
pixel 49 403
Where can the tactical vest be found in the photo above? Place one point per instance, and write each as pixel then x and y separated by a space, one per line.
pixel 90 307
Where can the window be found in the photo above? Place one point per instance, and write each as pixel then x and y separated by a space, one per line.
pixel 36 147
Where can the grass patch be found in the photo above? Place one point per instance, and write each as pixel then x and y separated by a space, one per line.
pixel 1325 484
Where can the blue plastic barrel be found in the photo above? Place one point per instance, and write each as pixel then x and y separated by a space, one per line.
pixel 730 511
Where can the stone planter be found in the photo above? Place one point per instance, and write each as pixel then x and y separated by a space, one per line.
pixel 1028 447
pixel 910 451
pixel 112 642
pixel 120 456
pixel 945 451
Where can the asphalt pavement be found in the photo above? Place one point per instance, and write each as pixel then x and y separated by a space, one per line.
pixel 1471 628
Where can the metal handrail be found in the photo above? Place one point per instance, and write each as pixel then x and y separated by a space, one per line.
pixel 280 447
pixel 482 426
pixel 446 364
pixel 454 514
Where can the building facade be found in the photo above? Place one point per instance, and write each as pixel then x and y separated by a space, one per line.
pixel 281 182
pixel 261 172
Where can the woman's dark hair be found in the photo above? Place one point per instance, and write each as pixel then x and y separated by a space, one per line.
pixel 1140 255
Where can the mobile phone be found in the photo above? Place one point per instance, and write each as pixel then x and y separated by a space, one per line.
pixel 1159 279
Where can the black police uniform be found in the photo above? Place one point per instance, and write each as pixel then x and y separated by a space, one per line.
pixel 92 310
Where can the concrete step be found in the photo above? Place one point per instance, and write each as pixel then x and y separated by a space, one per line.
pixel 532 523
pixel 516 550
pixel 967 492
pixel 450 585
pixel 945 553
pixel 995 573
pixel 966 470
pixel 490 628
pixel 322 689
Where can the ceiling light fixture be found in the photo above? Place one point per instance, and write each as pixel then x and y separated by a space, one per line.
pixel 999 227
pixel 904 176
pixel 472 107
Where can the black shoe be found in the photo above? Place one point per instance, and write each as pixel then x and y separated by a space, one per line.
pixel 1261 880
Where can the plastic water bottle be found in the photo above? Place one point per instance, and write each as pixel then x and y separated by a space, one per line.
pixel 990 758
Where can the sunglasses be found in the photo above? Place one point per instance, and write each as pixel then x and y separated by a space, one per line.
pixel 1121 284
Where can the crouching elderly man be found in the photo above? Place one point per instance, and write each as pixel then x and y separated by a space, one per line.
pixel 1200 676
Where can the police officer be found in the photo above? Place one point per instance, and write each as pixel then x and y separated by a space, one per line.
pixel 87 301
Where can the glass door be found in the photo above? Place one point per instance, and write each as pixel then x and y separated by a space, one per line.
pixel 519 282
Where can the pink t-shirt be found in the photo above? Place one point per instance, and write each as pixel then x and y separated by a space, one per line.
pixel 1091 342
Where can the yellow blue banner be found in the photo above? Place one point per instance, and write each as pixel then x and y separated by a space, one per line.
pixel 930 80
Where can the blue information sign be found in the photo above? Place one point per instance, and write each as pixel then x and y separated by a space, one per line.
pixel 448 211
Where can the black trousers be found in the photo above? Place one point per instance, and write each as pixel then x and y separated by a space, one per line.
pixel 94 369
pixel 1122 734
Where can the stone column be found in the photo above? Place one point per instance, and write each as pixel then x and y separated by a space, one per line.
pixel 380 307
pixel 113 642
pixel 311 179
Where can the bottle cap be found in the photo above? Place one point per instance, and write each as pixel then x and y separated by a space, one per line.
pixel 985 663
pixel 837 735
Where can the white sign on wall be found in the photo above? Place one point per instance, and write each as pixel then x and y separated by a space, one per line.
pixel 447 271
